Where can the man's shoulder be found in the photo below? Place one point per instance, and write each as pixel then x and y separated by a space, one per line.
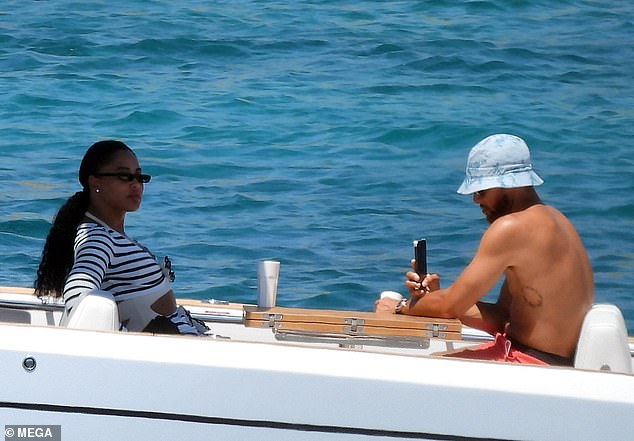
pixel 534 213
pixel 509 221
pixel 508 229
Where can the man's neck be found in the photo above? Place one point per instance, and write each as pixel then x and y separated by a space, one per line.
pixel 513 200
pixel 524 198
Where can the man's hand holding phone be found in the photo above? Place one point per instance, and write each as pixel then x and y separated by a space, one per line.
pixel 419 286
pixel 419 282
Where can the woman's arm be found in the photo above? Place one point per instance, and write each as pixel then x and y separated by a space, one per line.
pixel 93 252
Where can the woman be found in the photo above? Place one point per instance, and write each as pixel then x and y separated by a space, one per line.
pixel 87 248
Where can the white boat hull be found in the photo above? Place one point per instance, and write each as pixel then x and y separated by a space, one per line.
pixel 113 385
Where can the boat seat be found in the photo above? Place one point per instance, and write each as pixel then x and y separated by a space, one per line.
pixel 603 343
pixel 96 310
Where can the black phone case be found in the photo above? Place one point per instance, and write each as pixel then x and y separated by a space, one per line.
pixel 420 254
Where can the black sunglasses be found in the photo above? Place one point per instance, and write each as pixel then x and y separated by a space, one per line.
pixel 128 177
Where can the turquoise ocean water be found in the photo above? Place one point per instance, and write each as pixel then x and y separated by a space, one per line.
pixel 327 135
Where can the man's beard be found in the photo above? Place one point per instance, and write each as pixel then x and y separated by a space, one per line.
pixel 501 208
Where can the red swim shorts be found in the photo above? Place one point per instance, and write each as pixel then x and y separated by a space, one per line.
pixel 499 350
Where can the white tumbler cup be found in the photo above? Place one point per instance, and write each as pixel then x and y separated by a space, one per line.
pixel 392 295
pixel 268 274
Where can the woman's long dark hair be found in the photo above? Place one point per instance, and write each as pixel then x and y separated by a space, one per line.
pixel 58 253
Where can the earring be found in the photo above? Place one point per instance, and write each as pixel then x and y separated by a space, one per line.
pixel 97 191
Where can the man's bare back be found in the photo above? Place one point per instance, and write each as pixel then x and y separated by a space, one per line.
pixel 548 285
pixel 548 279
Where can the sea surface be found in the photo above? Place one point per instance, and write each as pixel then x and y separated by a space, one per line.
pixel 327 135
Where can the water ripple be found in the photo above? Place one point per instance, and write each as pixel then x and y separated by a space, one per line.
pixel 328 136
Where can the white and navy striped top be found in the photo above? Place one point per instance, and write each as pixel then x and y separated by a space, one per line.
pixel 110 261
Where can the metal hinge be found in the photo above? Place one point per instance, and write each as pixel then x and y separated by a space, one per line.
pixel 436 329
pixel 356 324
pixel 272 320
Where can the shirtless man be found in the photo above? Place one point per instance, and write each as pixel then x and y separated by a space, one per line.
pixel 548 284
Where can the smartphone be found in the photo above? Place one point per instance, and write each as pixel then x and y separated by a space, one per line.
pixel 420 254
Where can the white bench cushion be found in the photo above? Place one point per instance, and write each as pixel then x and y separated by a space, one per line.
pixel 603 342
pixel 96 310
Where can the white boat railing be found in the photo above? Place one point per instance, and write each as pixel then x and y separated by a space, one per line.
pixel 43 305
pixel 351 341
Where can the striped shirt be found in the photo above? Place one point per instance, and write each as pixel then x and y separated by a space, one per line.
pixel 109 261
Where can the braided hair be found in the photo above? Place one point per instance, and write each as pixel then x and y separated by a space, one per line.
pixel 58 253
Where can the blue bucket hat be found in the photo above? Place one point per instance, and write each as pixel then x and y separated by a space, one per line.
pixel 499 161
